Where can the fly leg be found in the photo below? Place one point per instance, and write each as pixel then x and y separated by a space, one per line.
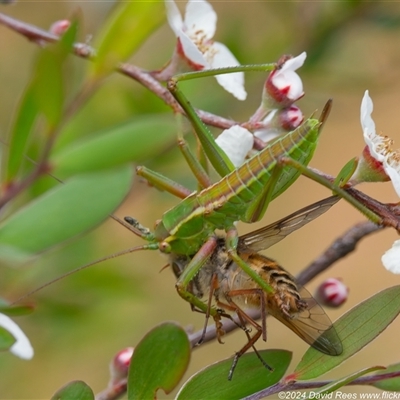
pixel 217 317
pixel 245 318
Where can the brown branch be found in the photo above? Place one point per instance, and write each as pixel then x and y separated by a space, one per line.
pixel 114 391
pixel 340 248
pixel 284 387
pixel 145 78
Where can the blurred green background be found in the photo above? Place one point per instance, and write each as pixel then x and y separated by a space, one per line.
pixel 83 320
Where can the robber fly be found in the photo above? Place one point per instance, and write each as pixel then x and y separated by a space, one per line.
pixel 225 286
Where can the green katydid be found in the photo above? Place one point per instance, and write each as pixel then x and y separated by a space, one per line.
pixel 242 194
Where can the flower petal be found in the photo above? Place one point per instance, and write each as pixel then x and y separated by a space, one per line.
pixel 200 18
pixel 392 169
pixel 191 51
pixel 269 131
pixel 391 259
pixel 174 17
pixel 289 79
pixel 294 63
pixel 372 140
pixel 22 347
pixel 236 142
pixel 219 56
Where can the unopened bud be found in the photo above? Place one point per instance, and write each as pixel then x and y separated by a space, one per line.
pixel 291 118
pixel 59 27
pixel 278 122
pixel 332 293
pixel 120 364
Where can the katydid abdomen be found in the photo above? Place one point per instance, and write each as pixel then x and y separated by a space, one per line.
pixel 240 195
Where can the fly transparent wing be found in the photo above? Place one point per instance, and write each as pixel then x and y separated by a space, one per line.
pixel 267 236
pixel 313 326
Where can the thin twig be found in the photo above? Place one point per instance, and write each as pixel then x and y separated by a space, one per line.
pixel 340 248
pixel 145 78
pixel 286 387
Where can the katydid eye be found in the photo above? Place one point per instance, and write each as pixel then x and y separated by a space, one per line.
pixel 165 247
pixel 129 220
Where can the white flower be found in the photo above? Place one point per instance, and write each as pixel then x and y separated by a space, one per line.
pixel 379 162
pixel 391 259
pixel 22 347
pixel 284 85
pixel 195 42
pixel 236 142
pixel 269 130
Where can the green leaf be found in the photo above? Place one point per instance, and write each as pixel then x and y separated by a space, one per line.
pixel 20 133
pixel 250 376
pixel 346 172
pixel 65 211
pixel 35 95
pixel 14 311
pixel 139 139
pixel 6 339
pixel 392 384
pixel 356 328
pixel 321 392
pixel 75 390
pixel 48 83
pixel 158 362
pixel 128 27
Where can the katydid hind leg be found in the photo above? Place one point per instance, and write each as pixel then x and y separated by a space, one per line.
pixel 259 206
pixel 337 190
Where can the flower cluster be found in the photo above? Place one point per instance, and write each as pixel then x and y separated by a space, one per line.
pixel 276 115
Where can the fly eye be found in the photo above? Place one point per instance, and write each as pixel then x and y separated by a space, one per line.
pixel 177 270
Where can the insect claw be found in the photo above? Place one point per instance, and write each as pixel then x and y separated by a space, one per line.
pixel 233 366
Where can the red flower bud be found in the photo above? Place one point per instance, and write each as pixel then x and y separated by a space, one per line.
pixel 332 293
pixel 120 365
pixel 59 27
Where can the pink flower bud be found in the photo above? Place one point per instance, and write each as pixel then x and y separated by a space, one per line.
pixel 291 118
pixel 120 365
pixel 278 122
pixel 332 293
pixel 59 27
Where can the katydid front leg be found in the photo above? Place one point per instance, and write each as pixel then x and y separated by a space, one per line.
pixel 219 160
pixel 191 270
